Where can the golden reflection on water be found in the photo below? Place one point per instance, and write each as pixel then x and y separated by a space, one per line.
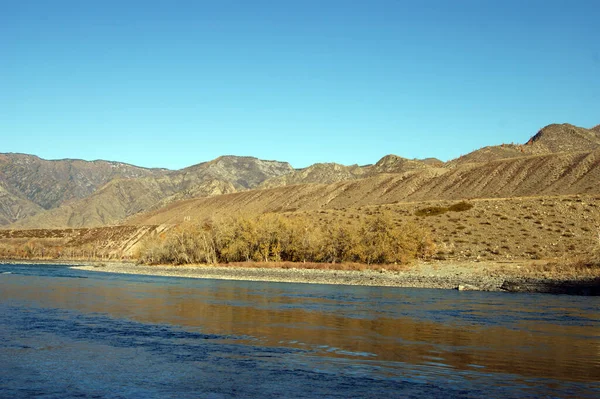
pixel 533 349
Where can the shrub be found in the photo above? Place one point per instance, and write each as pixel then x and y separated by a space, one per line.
pixel 460 207
pixel 439 210
pixel 274 238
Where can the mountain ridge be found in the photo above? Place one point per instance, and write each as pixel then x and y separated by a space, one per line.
pixel 553 138
pixel 550 174
pixel 558 159
pixel 120 198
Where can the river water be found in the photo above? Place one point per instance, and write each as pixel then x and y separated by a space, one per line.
pixel 74 334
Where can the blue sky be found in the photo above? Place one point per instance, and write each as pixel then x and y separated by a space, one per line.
pixel 174 83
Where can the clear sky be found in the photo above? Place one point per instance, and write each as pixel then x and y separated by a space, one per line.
pixel 174 83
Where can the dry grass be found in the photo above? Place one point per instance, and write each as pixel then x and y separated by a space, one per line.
pixel 567 268
pixel 580 266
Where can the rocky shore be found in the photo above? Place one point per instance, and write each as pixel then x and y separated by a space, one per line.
pixel 464 277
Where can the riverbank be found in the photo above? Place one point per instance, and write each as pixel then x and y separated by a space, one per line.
pixel 492 276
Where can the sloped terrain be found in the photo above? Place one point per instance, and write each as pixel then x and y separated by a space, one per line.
pixel 564 138
pixel 49 184
pixel 13 207
pixel 117 242
pixel 558 160
pixel 553 138
pixel 241 172
pixel 395 164
pixel 501 230
pixel 323 173
pixel 554 174
pixel 327 173
pixel 537 200
pixel 122 198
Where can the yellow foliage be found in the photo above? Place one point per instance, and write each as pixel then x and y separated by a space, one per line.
pixel 275 238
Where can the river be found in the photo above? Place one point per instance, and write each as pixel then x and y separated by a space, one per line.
pixel 68 333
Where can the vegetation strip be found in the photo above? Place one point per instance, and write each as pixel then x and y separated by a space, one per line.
pixel 275 238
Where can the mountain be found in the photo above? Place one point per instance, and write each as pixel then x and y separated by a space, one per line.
pixel 550 139
pixel 121 198
pixel 327 173
pixel 557 160
pixel 564 138
pixel 396 164
pixel 242 172
pixel 31 184
pixel 318 173
pixel 13 207
pixel 550 175
pixel 49 184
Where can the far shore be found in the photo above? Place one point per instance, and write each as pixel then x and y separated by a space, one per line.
pixel 513 276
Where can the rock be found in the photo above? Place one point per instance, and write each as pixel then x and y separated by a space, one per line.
pixel 467 287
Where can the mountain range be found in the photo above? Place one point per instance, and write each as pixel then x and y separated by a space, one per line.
pixel 38 193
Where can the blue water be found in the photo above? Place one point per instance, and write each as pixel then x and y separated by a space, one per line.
pixel 66 333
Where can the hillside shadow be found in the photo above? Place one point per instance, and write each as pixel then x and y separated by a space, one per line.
pixel 584 287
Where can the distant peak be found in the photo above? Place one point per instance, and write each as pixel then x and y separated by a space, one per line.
pixel 320 166
pixel 551 130
pixel 235 157
pixel 389 159
pixel 564 138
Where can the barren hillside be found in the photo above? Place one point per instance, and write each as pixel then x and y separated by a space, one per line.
pixel 122 198
pixel 558 160
pixel 14 207
pixel 49 184
pixel 554 174
pixel 395 164
pixel 564 138
pixel 327 173
pixel 241 172
pixel 323 173
pixel 551 139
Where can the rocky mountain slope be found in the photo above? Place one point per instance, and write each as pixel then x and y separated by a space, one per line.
pixel 14 207
pixel 29 184
pixel 327 173
pixel 550 175
pixel 551 139
pixel 49 184
pixel 121 198
pixel 324 173
pixel 563 138
pixel 558 160
pixel 396 164
pixel 241 172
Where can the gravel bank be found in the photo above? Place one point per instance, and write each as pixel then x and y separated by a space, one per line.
pixel 467 276
pixel 420 276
